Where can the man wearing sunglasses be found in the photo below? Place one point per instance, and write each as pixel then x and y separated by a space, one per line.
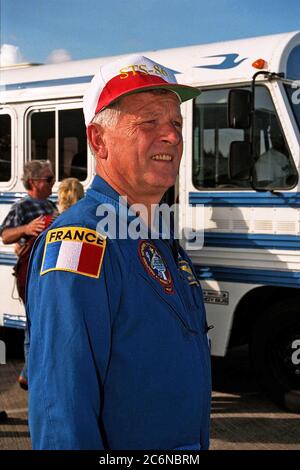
pixel 26 219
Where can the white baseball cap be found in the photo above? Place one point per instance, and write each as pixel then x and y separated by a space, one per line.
pixel 131 74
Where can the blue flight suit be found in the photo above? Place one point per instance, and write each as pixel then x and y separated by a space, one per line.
pixel 119 361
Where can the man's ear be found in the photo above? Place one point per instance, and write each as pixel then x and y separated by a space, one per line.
pixel 95 137
pixel 31 183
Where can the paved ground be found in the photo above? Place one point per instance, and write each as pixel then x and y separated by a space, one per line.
pixel 14 432
pixel 241 417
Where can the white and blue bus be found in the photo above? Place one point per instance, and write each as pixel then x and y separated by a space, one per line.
pixel 249 266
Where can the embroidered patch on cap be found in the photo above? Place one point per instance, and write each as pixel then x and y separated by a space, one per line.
pixel 154 264
pixel 130 74
pixel 75 249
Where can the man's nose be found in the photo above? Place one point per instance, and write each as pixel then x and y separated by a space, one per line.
pixel 171 134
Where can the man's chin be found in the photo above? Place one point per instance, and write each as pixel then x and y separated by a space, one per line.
pixel 162 183
pixel 160 189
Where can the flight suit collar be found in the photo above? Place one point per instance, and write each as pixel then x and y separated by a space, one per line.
pixel 101 186
pixel 102 191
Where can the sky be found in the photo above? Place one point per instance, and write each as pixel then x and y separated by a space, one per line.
pixel 48 31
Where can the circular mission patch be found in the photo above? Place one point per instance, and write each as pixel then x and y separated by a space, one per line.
pixel 155 265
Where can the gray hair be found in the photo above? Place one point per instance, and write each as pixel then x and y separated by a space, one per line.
pixel 33 169
pixel 109 116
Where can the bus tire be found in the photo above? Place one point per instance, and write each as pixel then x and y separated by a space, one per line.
pixel 274 357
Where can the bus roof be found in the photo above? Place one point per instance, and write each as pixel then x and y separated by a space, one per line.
pixel 206 64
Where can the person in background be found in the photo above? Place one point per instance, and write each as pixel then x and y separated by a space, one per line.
pixel 70 191
pixel 26 219
pixel 119 356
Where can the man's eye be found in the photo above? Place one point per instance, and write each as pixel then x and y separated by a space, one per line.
pixel 151 121
pixel 178 124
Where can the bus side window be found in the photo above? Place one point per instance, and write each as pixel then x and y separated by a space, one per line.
pixel 5 148
pixel 42 141
pixel 72 144
pixel 59 136
pixel 212 138
pixel 274 166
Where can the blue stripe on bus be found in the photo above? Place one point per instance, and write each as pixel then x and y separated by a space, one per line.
pixel 14 321
pixel 46 83
pixel 12 197
pixel 249 276
pixel 245 199
pixel 253 240
pixel 223 199
pixel 8 259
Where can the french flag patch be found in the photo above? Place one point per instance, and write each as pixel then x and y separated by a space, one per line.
pixel 76 249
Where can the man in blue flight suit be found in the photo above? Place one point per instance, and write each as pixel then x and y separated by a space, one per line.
pixel 119 357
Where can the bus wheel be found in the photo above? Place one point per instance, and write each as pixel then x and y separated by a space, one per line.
pixel 275 353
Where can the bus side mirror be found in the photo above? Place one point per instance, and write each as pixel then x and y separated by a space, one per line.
pixel 239 109
pixel 240 161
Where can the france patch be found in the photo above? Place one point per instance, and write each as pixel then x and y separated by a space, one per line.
pixel 75 249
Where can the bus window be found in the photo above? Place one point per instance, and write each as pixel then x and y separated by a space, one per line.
pixel 59 135
pixel 212 138
pixel 274 167
pixel 43 136
pixel 5 148
pixel 72 144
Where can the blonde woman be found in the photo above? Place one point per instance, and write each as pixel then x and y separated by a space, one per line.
pixel 70 191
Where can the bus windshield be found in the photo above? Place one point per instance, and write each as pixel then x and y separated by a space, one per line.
pixel 293 92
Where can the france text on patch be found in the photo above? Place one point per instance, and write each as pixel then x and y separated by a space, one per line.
pixel 75 249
